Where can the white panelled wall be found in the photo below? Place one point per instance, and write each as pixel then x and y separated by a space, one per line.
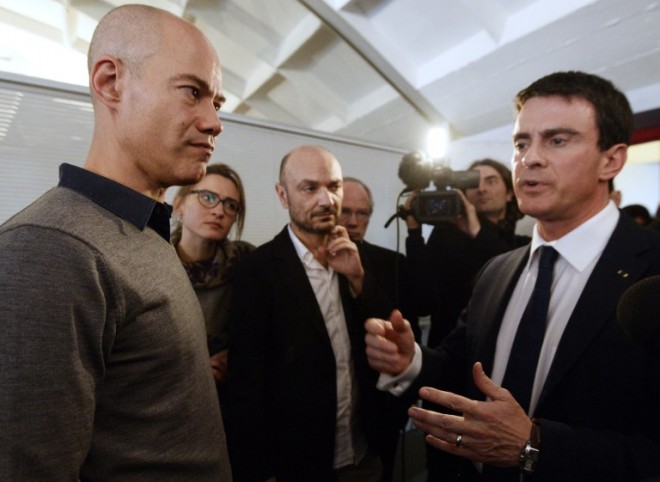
pixel 43 124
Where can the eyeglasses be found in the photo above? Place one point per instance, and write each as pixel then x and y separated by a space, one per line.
pixel 360 214
pixel 209 199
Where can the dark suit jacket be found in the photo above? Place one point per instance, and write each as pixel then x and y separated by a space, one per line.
pixel 445 269
pixel 599 409
pixel 281 394
pixel 390 269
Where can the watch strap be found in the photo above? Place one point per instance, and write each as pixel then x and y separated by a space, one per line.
pixel 529 455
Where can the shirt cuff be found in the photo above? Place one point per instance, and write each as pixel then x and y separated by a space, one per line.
pixel 398 384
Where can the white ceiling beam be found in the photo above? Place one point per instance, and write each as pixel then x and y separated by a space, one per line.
pixel 70 26
pixel 27 24
pixel 463 54
pixel 499 31
pixel 490 15
pixel 339 4
pixel 312 87
pixel 539 15
pixel 297 38
pixel 95 9
pixel 238 60
pixel 372 101
pixel 257 79
pixel 354 37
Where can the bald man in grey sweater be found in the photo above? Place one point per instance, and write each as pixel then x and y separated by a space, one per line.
pixel 104 371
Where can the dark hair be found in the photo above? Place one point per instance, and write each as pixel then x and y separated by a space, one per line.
pixel 228 173
pixel 513 213
pixel 638 211
pixel 614 117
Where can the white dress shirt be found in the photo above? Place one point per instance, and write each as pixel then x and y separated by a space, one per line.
pixel 325 285
pixel 579 251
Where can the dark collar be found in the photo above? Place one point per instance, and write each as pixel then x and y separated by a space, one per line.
pixel 136 208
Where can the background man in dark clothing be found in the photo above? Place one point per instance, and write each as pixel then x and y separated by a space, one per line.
pixel 302 401
pixel 444 268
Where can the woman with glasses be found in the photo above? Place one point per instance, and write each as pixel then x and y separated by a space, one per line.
pixel 204 215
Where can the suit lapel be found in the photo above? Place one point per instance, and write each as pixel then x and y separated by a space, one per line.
pixel 492 293
pixel 617 269
pixel 293 277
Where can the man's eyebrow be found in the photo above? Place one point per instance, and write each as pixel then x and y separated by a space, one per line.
pixel 548 133
pixel 559 130
pixel 201 84
pixel 521 135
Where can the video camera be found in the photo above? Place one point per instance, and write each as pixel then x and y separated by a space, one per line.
pixel 442 204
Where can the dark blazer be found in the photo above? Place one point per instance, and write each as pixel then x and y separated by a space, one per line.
pixel 391 271
pixel 281 402
pixel 445 268
pixel 599 409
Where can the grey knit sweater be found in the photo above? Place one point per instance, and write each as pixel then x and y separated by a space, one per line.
pixel 104 371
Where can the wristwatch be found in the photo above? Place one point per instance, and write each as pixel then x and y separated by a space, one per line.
pixel 529 455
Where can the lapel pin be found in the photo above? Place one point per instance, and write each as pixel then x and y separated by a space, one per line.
pixel 622 273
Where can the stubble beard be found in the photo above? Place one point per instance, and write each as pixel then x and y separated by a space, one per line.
pixel 308 226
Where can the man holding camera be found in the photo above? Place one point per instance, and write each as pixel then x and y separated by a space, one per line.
pixel 456 250
pixel 539 375
pixel 446 265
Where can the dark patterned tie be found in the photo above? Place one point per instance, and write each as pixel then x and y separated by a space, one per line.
pixel 524 357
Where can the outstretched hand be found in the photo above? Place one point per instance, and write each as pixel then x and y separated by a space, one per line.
pixel 492 432
pixel 390 343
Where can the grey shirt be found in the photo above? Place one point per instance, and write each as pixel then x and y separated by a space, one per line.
pixel 104 371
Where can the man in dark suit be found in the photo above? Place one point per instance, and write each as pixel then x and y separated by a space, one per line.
pixel 390 269
pixel 591 408
pixel 302 403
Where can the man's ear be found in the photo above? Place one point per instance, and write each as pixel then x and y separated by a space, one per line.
pixel 104 80
pixel 614 159
pixel 281 195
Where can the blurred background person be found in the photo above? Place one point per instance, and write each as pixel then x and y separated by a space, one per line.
pixel 204 215
pixel 445 267
pixel 638 213
pixel 390 270
pixel 388 267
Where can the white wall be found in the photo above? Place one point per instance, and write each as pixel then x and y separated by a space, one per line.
pixel 43 124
